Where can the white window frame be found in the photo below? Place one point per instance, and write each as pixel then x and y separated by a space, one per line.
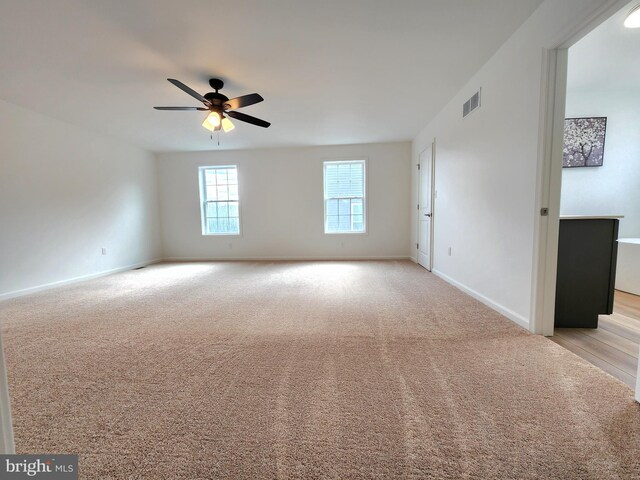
pixel 365 206
pixel 203 200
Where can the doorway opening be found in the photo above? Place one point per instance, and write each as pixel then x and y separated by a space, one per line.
pixel 593 253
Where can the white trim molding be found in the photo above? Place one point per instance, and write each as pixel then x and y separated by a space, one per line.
pixel 69 281
pixel 549 177
pixel 284 259
pixel 7 446
pixel 510 314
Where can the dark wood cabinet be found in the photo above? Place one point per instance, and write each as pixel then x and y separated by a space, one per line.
pixel 587 253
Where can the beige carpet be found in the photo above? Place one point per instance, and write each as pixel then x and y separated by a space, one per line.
pixel 304 370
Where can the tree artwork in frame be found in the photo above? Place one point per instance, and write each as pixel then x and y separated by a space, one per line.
pixel 584 142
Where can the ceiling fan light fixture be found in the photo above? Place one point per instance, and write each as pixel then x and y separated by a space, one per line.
pixel 213 119
pixel 227 125
pixel 633 19
pixel 207 125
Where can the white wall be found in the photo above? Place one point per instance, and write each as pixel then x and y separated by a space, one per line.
pixel 614 188
pixel 64 194
pixel 281 193
pixel 487 166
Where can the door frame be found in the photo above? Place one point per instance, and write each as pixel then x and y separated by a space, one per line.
pixel 549 174
pixel 433 207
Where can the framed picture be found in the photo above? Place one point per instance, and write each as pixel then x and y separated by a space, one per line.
pixel 584 142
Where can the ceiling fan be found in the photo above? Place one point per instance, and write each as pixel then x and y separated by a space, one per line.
pixel 219 106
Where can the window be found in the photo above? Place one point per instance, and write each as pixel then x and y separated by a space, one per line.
pixel 220 201
pixel 344 200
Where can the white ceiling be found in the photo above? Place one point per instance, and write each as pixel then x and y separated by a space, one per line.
pixel 331 71
pixel 608 58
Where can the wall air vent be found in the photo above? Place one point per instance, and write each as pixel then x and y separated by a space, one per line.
pixel 471 104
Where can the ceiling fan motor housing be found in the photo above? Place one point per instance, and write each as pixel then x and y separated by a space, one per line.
pixel 216 99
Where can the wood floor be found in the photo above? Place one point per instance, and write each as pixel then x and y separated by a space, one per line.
pixel 614 345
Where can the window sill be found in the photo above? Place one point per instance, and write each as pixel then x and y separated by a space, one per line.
pixel 221 235
pixel 346 233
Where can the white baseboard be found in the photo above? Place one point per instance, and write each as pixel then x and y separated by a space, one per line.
pixel 60 283
pixel 413 259
pixel 282 259
pixel 510 314
pixel 68 281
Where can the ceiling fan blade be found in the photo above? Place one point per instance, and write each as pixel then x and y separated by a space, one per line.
pixel 188 90
pixel 243 101
pixel 243 117
pixel 182 108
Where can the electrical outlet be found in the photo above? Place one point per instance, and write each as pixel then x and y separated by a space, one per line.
pixel 104 251
pixel 449 251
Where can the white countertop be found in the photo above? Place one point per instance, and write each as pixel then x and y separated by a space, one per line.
pixel 629 240
pixel 590 217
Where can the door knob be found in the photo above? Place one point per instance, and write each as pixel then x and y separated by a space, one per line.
pixel 427 215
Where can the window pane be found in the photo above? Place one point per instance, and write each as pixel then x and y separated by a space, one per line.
pixel 211 193
pixel 332 207
pixel 223 209
pixel 233 209
pixel 221 176
pixel 210 177
pixel 212 225
pixel 332 223
pixel 219 186
pixel 211 209
pixel 356 183
pixel 344 207
pixel 358 223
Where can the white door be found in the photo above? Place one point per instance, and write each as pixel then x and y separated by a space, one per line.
pixel 424 208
